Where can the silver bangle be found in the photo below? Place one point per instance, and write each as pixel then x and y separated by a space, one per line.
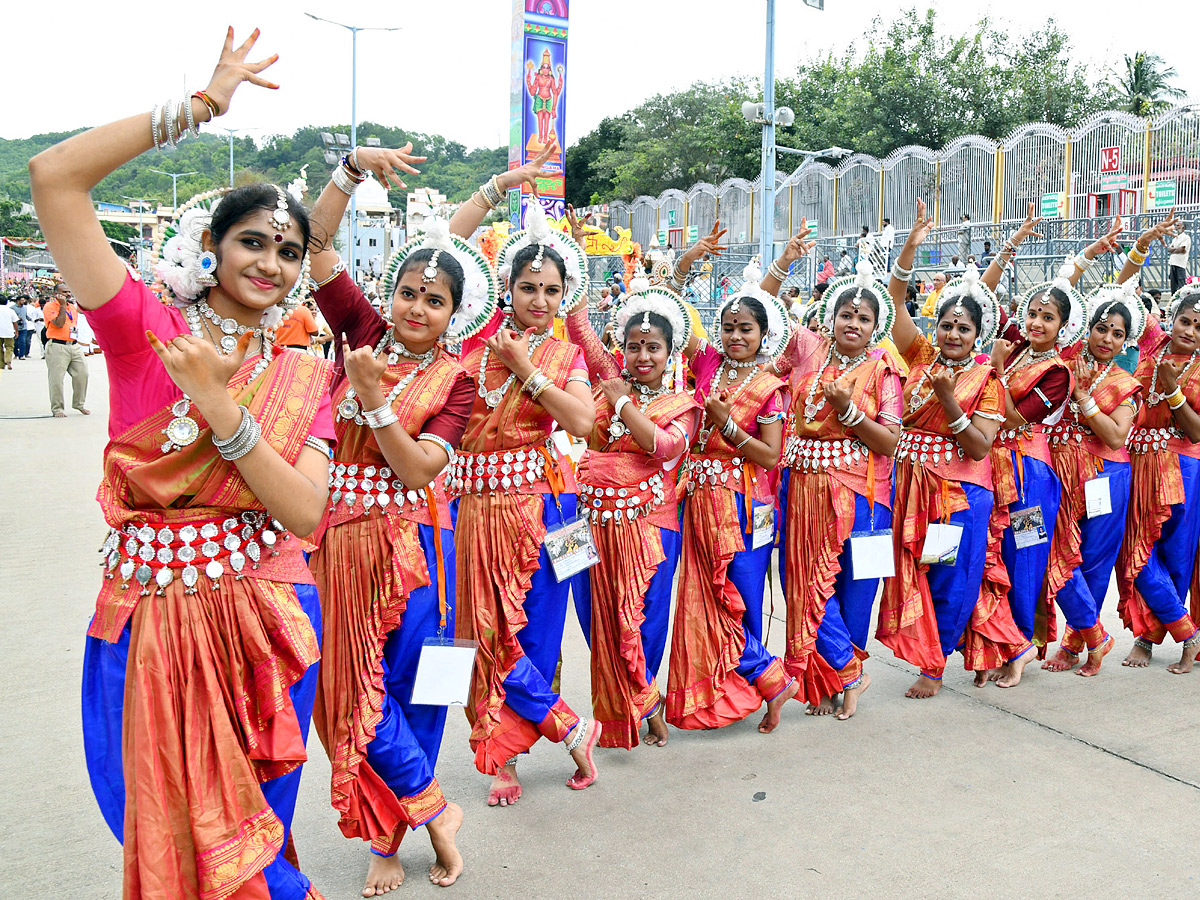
pixel 900 273
pixel 320 445
pixel 169 123
pixel 959 425
pixel 441 442
pixel 620 405
pixel 192 128
pixel 579 379
pixel 729 429
pixel 155 120
pixel 242 441
pixel 850 413
pixel 380 417
pixel 776 272
pixel 1082 262
pixel 344 181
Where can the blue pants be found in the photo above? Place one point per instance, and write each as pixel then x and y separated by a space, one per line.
pixel 847 620
pixel 748 572
pixel 405 748
pixel 1167 575
pixel 1100 540
pixel 656 605
pixel 785 483
pixel 955 589
pixel 22 344
pixel 104 667
pixel 527 687
pixel 1027 567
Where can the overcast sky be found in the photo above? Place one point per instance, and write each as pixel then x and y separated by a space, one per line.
pixel 447 70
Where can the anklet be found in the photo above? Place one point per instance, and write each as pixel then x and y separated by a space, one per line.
pixel 852 685
pixel 1192 641
pixel 511 761
pixel 580 730
pixel 1143 644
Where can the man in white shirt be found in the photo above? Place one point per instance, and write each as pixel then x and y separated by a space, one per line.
pixel 8 332
pixel 865 244
pixel 885 242
pixel 1181 249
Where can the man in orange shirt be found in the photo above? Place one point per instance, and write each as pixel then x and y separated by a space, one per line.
pixel 63 353
pixel 297 332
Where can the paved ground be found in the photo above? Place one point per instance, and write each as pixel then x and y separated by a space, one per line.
pixel 1064 785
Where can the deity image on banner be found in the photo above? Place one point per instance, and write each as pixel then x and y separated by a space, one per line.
pixel 544 86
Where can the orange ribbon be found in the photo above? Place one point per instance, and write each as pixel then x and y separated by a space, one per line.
pixel 431 500
pixel 748 481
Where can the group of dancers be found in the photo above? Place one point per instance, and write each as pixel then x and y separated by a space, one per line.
pixel 269 509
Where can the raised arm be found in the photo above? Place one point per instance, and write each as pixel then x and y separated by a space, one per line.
pixel 62 177
pixel 1088 256
pixel 796 248
pixel 904 329
pixel 995 271
pixel 470 215
pixel 1136 257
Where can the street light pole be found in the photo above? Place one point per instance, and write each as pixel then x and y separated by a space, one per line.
pixel 354 30
pixel 766 233
pixel 174 176
pixel 139 201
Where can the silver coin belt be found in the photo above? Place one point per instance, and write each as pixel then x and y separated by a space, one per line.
pixel 1063 433
pixel 477 473
pixel 146 555
pixel 368 486
pixel 923 447
pixel 1148 440
pixel 1012 435
pixel 711 470
pixel 609 504
pixel 816 454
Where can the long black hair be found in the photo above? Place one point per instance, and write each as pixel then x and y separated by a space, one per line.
pixel 242 202
pixel 447 265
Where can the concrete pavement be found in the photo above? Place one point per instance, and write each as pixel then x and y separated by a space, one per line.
pixel 1064 785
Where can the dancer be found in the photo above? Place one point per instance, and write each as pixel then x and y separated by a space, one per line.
pixel 720 672
pixel 385 566
pixel 1156 566
pixel 515 487
pixel 950 584
pixel 1037 384
pixel 1088 451
pixel 630 492
pixel 200 665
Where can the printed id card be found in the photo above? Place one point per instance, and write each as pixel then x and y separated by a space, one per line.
pixel 764 527
pixel 1097 497
pixel 444 672
pixel 1029 527
pixel 871 554
pixel 941 545
pixel 571 548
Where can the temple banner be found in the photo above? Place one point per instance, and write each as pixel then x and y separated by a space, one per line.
pixel 538 99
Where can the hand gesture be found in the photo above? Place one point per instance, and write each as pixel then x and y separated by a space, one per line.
pixel 709 245
pixel 364 371
pixel 384 163
pixel 511 347
pixel 921 227
pixel 579 231
pixel 717 407
pixel 1085 374
pixel 838 393
pixel 1001 350
pixel 1108 243
pixel 1169 371
pixel 943 381
pixel 195 365
pixel 528 173
pixel 1027 227
pixel 797 246
pixel 232 69
pixel 1158 232
pixel 614 389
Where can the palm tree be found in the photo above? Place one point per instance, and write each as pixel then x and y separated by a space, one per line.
pixel 1143 87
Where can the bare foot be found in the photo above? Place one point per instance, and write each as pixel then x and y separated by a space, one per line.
pixel 1138 658
pixel 1095 657
pixel 656 734
pixel 775 707
pixel 442 830
pixel 923 688
pixel 1185 662
pixel 86 412
pixel 60 415
pixel 825 708
pixel 1062 661
pixel 995 674
pixel 384 874
pixel 851 694
pixel 584 756
pixel 1016 668
pixel 506 790
pixel 983 676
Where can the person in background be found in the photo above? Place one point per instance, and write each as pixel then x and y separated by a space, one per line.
pixel 1181 249
pixel 845 264
pixel 31 317
pixel 63 353
pixel 866 244
pixel 988 253
pixel 297 330
pixel 964 238
pixel 9 322
pixel 910 301
pixel 886 241
pixel 826 273
pixel 929 307
pixel 605 302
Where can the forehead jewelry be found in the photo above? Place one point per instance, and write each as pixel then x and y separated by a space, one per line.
pixel 280 217
pixel 857 298
pixel 645 321
pixel 430 273
pixel 536 265
pixel 737 305
pixel 958 305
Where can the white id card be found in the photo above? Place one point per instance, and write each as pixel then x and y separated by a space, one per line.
pixel 871 554
pixel 1097 497
pixel 1029 527
pixel 571 549
pixel 941 545
pixel 444 673
pixel 764 527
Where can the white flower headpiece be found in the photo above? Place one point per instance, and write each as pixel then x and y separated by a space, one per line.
pixel 1076 325
pixel 635 313
pixel 1101 301
pixel 537 231
pixel 481 291
pixel 851 287
pixel 1189 294
pixel 779 327
pixel 969 285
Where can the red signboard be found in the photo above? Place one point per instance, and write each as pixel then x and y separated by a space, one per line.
pixel 1110 159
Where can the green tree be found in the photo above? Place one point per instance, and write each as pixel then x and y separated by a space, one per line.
pixel 1142 84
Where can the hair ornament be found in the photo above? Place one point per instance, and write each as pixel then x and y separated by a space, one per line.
pixel 969 285
pixel 1189 294
pixel 779 327
pixel 850 289
pixel 1075 327
pixel 646 322
pixel 661 302
pixel 280 218
pixel 537 230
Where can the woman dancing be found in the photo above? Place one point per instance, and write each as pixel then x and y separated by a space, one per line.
pixel 200 667
pixel 629 490
pixel 720 672
pixel 514 487
pixel 385 566
pixel 947 595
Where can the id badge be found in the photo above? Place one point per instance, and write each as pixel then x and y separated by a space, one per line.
pixel 1029 527
pixel 571 549
pixel 1097 497
pixel 444 672
pixel 941 545
pixel 871 554
pixel 764 527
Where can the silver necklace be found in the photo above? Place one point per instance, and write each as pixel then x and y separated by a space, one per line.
pixel 1155 397
pixel 706 431
pixel 495 397
pixel 231 329
pixel 917 401
pixel 351 408
pixel 845 365
pixel 1027 358
pixel 1092 361
pixel 182 429
pixel 646 396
